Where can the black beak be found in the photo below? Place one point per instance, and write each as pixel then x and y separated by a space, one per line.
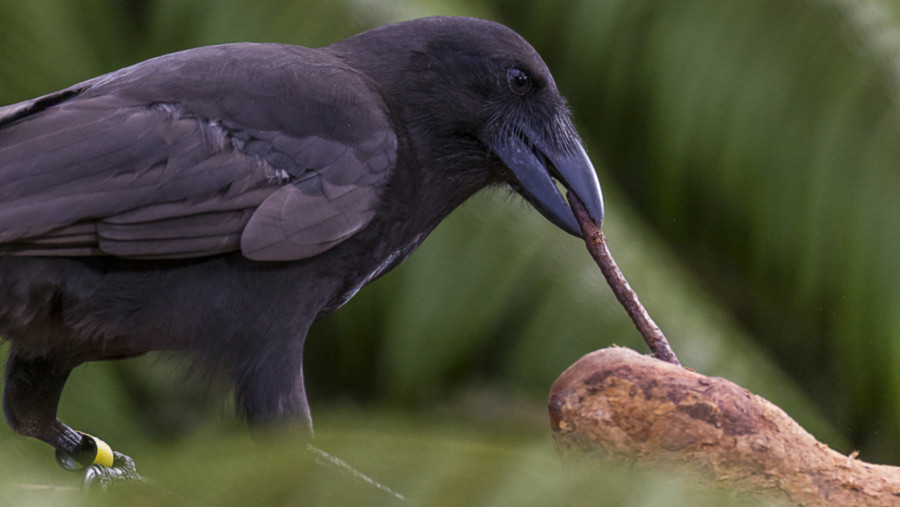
pixel 535 163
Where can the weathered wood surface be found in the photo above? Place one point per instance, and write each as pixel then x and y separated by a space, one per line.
pixel 617 403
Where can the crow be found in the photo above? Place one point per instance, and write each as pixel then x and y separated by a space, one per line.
pixel 220 199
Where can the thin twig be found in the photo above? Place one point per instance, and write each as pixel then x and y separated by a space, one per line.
pixel 324 458
pixel 596 245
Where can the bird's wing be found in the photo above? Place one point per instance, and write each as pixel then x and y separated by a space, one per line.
pixel 277 151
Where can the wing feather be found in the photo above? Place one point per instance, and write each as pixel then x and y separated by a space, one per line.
pixel 186 156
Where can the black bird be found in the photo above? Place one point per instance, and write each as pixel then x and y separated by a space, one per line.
pixel 220 199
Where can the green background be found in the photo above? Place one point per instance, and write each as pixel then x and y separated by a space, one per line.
pixel 748 153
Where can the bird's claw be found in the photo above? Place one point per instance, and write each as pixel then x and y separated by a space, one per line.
pixel 102 466
pixel 122 471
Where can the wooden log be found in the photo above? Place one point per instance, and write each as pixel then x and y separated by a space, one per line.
pixel 616 403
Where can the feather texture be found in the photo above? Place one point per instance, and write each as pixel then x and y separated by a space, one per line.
pixel 274 150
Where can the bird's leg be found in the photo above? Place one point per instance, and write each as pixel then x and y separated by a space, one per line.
pixel 30 401
pixel 275 399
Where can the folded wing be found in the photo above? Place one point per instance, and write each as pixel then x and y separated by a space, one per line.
pixel 270 150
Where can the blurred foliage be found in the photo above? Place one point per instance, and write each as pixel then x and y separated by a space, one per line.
pixel 745 150
pixel 432 462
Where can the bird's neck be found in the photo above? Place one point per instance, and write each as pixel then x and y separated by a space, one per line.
pixel 438 167
pixel 412 205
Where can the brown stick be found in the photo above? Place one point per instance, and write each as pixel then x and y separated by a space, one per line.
pixel 618 403
pixel 596 245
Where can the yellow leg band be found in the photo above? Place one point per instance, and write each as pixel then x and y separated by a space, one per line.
pixel 104 453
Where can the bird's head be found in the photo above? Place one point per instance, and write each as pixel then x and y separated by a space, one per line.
pixel 482 90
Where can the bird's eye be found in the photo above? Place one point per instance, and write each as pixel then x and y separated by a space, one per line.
pixel 519 80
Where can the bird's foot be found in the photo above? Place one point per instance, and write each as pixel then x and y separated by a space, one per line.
pixel 101 465
pixel 122 471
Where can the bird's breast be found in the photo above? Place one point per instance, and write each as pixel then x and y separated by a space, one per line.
pixel 385 264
